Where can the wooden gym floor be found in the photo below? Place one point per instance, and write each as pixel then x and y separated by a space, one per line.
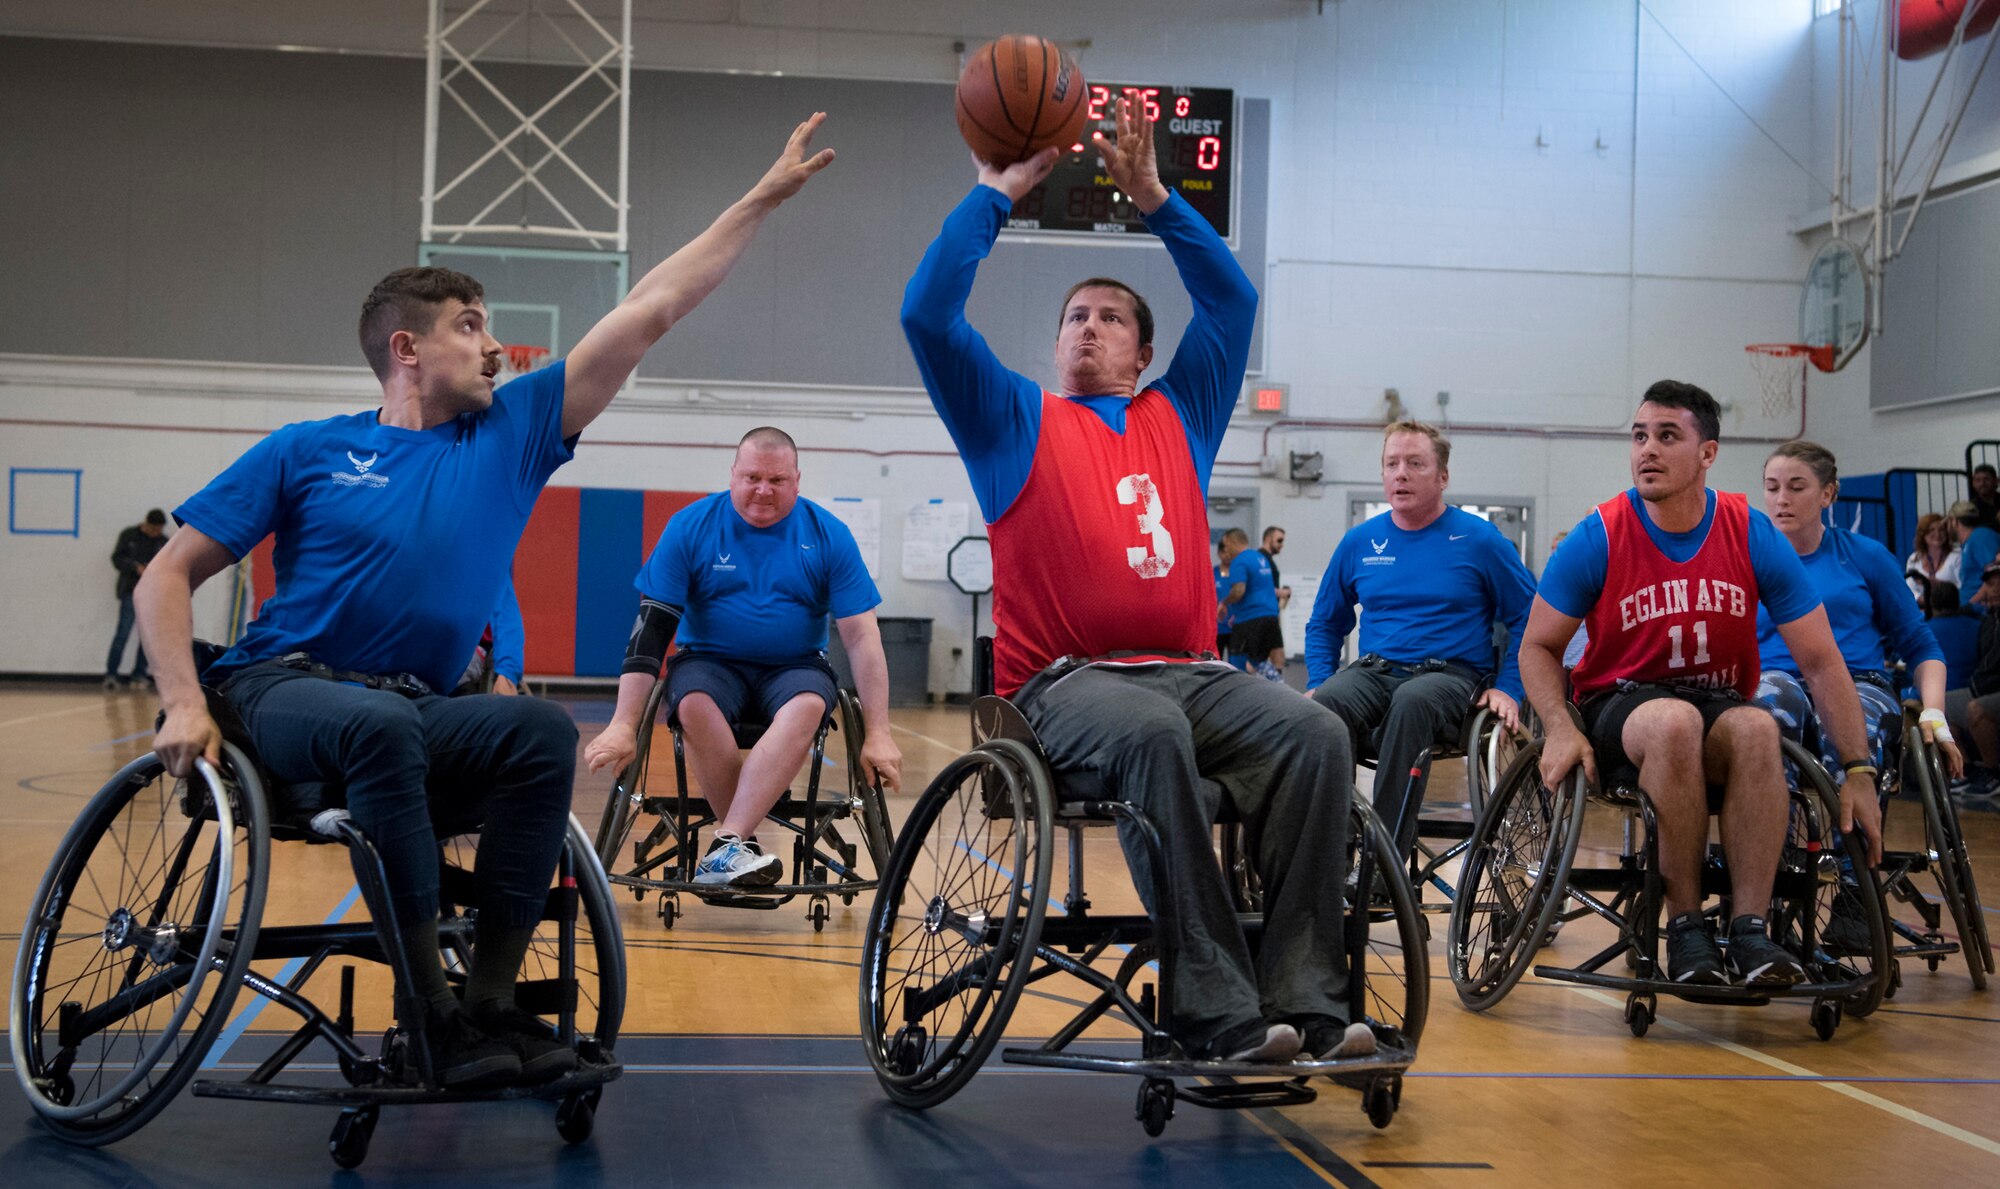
pixel 743 1067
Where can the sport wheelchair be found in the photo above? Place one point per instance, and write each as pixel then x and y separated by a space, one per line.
pixel 1520 876
pixel 960 927
pixel 824 864
pixel 151 913
pixel 1915 766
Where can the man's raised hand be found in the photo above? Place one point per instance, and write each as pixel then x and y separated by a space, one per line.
pixel 1020 177
pixel 1131 161
pixel 794 167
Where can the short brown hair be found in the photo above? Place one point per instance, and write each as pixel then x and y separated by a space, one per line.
pixel 1236 536
pixel 1439 443
pixel 1140 310
pixel 768 437
pixel 409 299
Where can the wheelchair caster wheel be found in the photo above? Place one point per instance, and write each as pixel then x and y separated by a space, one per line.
pixel 847 898
pixel 351 1132
pixel 906 1049
pixel 59 1089
pixel 818 914
pixel 670 908
pixel 1933 963
pixel 1381 1099
pixel 1895 979
pixel 1640 1014
pixel 576 1116
pixel 1825 1018
pixel 1156 1104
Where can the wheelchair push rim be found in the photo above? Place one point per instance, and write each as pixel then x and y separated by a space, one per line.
pixel 173 941
pixel 962 876
pixel 1394 963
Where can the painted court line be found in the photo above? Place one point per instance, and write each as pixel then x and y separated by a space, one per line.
pixel 953 747
pixel 248 1015
pixel 1838 1086
pixel 15 722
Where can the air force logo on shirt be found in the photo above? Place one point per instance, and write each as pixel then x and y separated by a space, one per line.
pixel 722 562
pixel 1378 559
pixel 364 475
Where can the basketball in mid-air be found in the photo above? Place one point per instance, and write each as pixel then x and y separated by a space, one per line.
pixel 1017 96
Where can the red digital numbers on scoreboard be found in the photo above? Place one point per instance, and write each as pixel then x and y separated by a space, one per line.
pixel 1182 104
pixel 1196 131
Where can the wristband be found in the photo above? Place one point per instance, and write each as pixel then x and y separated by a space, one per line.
pixel 1940 729
pixel 1853 766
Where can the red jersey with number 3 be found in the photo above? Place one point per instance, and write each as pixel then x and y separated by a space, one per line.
pixel 1106 548
pixel 1691 623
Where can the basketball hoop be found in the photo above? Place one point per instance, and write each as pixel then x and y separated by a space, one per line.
pixel 522 359
pixel 1781 370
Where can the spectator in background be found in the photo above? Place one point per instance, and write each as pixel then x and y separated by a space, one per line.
pixel 1253 600
pixel 1274 544
pixel 1986 494
pixel 1936 557
pixel 1225 618
pixel 136 548
pixel 1977 544
pixel 1976 703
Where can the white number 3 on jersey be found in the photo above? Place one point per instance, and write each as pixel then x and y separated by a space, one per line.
pixel 1156 560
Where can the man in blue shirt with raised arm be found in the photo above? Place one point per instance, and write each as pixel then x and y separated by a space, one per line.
pixel 747 578
pixel 395 529
pixel 1431 579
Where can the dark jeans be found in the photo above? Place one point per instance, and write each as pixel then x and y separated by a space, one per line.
pixel 1399 711
pixel 508 762
pixel 117 656
pixel 1177 741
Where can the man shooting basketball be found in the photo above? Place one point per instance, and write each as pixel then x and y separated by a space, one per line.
pixel 1095 498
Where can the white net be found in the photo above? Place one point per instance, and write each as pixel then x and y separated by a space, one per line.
pixel 1781 371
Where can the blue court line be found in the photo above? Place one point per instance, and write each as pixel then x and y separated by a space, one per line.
pixel 116 742
pixel 249 1014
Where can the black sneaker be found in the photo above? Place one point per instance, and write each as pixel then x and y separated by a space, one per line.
pixel 543 1058
pixel 1327 1039
pixel 1759 960
pixel 1846 933
pixel 465 1057
pixel 1256 1041
pixel 1692 955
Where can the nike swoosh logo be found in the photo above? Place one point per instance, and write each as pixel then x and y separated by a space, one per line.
pixel 1459 537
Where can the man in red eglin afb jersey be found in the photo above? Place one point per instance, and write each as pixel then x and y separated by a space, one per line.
pixel 1095 502
pixel 1667 576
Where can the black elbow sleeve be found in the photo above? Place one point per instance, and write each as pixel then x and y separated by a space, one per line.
pixel 652 631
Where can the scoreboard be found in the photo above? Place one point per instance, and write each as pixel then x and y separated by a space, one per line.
pixel 1194 131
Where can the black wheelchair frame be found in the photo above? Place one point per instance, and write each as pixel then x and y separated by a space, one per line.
pixel 95 1072
pixel 1520 873
pixel 1916 766
pixel 824 864
pixel 931 1022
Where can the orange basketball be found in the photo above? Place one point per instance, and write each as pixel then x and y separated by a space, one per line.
pixel 1017 96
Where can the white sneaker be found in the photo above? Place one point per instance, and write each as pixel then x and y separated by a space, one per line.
pixel 736 863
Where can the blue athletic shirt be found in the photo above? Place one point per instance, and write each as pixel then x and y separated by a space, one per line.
pixel 1976 554
pixel 1957 637
pixel 1867 605
pixel 1574 577
pixel 1225 616
pixel 757 594
pixel 1260 593
pixel 995 415
pixel 510 636
pixel 391 543
pixel 1433 593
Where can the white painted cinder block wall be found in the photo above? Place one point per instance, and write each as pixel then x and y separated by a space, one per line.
pixel 1421 239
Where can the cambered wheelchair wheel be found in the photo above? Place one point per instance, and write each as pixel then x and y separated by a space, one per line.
pixel 956 919
pixel 622 804
pixel 876 837
pixel 136 943
pixel 1952 867
pixel 1397 970
pixel 1513 881
pixel 1489 751
pixel 1816 853
pixel 599 1002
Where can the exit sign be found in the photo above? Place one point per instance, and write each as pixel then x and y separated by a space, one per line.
pixel 1266 400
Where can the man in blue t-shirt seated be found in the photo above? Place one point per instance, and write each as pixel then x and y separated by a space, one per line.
pixel 1978 544
pixel 1431 579
pixel 1252 598
pixel 747 578
pixel 394 532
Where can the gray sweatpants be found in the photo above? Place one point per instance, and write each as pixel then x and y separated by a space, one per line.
pixel 1175 740
pixel 1398 714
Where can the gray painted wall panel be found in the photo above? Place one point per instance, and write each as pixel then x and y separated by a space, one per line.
pixel 1941 306
pixel 194 203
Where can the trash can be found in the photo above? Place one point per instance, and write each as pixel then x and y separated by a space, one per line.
pixel 906 645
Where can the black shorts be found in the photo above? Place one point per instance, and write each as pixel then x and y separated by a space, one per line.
pixel 748 692
pixel 1255 638
pixel 1604 714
